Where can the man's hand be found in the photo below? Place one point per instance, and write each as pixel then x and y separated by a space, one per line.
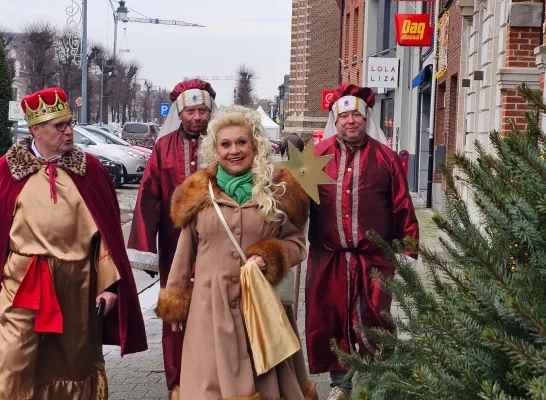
pixel 109 298
pixel 259 261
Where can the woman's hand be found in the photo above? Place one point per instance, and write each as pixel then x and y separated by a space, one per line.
pixel 177 326
pixel 259 261
pixel 110 300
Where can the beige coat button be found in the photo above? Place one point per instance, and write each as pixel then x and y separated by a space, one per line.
pixel 192 163
pixel 235 279
pixel 349 169
pixel 236 255
pixel 234 304
pixel 237 231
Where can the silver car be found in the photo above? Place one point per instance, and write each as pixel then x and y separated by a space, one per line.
pixel 133 162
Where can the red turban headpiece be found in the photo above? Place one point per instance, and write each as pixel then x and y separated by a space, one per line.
pixel 192 84
pixel 350 89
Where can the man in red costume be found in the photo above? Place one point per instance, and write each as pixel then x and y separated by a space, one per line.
pixel 62 254
pixel 173 159
pixel 371 194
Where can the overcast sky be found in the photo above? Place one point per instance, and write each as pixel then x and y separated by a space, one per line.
pixel 255 32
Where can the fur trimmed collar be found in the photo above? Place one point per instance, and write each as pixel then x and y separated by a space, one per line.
pixel 23 163
pixel 193 195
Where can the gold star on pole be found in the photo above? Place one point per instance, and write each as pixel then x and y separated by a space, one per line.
pixel 307 169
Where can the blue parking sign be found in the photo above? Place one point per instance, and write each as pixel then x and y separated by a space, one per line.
pixel 164 109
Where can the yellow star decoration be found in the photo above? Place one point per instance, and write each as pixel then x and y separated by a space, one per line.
pixel 307 169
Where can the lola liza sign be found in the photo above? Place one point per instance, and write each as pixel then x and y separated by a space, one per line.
pixel 383 72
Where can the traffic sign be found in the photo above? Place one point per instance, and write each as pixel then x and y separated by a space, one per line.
pixel 164 109
pixel 15 111
pixel 79 101
pixel 327 96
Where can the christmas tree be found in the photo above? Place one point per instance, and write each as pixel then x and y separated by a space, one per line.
pixel 5 97
pixel 476 325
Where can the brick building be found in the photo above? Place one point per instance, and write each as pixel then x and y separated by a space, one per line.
pixel 352 41
pixel 497 54
pixel 314 64
pixel 447 72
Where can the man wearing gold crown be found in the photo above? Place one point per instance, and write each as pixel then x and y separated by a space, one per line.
pixel 371 194
pixel 63 256
pixel 173 159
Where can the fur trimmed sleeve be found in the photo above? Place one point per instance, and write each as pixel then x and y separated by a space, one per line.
pixel 277 262
pixel 173 305
pixel 280 253
pixel 174 300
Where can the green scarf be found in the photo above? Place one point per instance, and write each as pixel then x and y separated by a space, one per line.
pixel 239 188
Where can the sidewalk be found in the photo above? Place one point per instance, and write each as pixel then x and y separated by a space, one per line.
pixel 140 376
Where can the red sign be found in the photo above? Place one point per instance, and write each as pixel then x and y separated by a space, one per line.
pixel 413 30
pixel 327 98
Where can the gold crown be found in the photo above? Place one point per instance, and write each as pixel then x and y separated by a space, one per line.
pixel 46 112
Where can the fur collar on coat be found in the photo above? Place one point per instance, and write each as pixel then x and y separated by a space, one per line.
pixel 193 195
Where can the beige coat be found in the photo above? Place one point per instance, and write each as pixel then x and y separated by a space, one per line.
pixel 216 363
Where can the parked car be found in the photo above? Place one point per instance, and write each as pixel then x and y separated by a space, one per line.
pixel 140 133
pixel 133 162
pixel 115 169
pixel 110 138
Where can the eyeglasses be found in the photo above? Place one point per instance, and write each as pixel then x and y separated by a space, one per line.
pixel 61 126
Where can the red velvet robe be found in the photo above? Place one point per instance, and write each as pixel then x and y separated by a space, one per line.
pixel 173 159
pixel 100 197
pixel 371 194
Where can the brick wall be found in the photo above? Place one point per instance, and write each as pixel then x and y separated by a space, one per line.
pixel 520 46
pixel 353 41
pixel 314 65
pixel 446 116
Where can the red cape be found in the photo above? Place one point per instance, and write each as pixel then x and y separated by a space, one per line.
pixel 100 197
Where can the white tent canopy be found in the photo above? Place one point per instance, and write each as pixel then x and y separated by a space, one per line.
pixel 272 129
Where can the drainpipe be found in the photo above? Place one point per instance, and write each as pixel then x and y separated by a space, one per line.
pixel 341 15
pixel 432 111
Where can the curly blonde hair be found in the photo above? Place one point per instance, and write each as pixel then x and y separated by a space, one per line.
pixel 265 191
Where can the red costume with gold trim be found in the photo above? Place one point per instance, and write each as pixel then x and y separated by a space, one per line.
pixel 61 244
pixel 153 238
pixel 371 194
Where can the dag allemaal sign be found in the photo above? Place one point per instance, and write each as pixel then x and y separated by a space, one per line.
pixel 383 72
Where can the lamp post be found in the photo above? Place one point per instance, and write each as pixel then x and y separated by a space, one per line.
pixel 120 14
pixel 102 90
pixel 83 114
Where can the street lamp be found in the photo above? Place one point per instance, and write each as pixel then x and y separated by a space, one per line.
pixel 102 88
pixel 120 14
pixel 83 113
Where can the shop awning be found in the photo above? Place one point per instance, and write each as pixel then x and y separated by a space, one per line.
pixel 424 76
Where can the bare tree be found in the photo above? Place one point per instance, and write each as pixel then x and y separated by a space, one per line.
pixel 38 55
pixel 244 89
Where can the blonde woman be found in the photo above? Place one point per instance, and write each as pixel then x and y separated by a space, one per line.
pixel 266 210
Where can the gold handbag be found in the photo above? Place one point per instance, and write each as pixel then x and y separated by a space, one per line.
pixel 271 337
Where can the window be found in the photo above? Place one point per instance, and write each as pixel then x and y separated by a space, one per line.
pixel 135 128
pixel 346 39
pixel 387 117
pixel 356 31
pixel 388 17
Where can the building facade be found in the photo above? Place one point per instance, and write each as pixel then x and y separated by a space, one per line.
pixel 352 41
pixel 498 42
pixel 313 64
